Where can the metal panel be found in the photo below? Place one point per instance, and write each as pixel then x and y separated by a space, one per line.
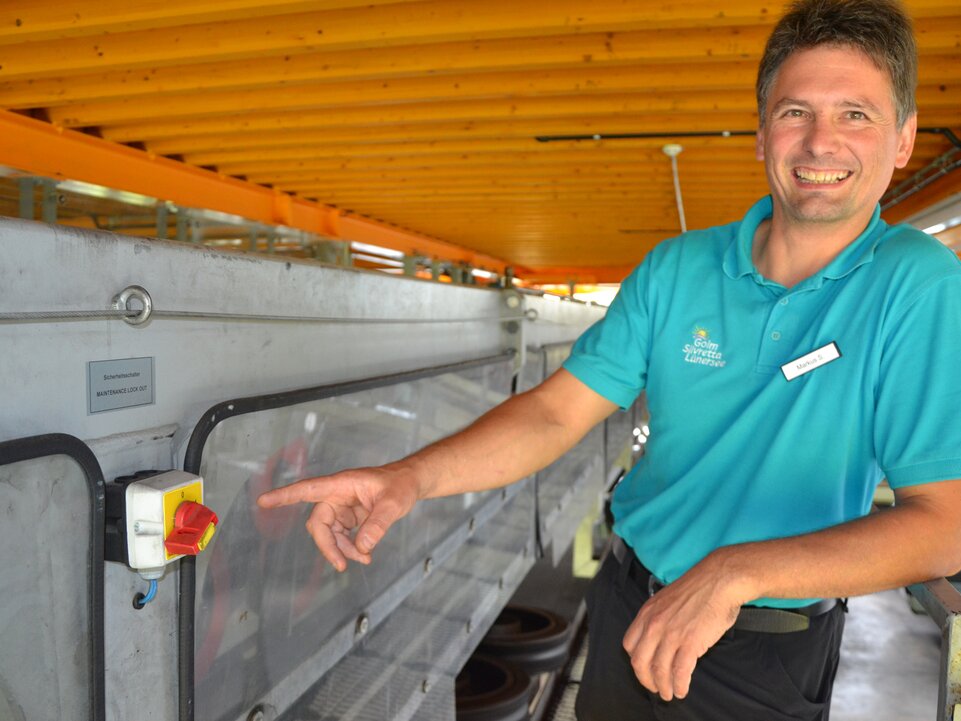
pixel 268 606
pixel 568 490
pixel 51 598
pixel 202 360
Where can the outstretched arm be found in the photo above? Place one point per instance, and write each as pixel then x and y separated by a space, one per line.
pixel 917 540
pixel 513 440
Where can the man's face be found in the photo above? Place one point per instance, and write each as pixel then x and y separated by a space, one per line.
pixel 830 140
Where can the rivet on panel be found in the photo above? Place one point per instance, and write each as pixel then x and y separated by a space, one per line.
pixel 362 625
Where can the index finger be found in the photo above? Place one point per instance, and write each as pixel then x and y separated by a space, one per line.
pixel 306 490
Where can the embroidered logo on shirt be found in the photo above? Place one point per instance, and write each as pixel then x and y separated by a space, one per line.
pixel 702 350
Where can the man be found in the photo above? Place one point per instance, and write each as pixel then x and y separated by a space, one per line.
pixel 790 360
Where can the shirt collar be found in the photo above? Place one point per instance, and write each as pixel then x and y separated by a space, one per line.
pixel 738 261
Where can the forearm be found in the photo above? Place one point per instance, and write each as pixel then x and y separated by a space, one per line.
pixel 915 541
pixel 515 439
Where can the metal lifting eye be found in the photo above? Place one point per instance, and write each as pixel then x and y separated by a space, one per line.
pixel 121 301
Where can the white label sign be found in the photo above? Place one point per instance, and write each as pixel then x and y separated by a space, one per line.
pixel 807 363
pixel 124 383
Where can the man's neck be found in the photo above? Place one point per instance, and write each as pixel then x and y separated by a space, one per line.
pixel 787 253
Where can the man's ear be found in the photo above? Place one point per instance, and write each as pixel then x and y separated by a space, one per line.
pixel 759 144
pixel 906 136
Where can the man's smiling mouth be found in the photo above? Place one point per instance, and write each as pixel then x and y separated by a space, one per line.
pixel 821 177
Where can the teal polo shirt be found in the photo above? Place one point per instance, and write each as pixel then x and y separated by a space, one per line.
pixel 738 452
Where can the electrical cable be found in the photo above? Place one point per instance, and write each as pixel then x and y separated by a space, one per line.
pixel 141 600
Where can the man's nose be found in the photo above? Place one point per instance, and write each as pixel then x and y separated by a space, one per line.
pixel 822 137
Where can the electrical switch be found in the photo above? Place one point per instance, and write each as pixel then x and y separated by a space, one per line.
pixel 194 526
pixel 157 518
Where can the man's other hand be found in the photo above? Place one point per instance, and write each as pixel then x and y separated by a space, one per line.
pixel 353 509
pixel 677 626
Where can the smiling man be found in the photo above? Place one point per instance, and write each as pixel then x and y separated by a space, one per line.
pixel 791 360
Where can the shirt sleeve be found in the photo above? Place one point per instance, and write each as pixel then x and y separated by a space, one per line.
pixel 917 431
pixel 611 357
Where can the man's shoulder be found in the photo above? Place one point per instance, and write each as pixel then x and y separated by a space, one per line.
pixel 916 253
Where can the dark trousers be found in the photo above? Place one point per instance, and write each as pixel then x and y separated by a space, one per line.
pixel 746 676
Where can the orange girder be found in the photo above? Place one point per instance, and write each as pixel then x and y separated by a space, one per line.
pixel 39 148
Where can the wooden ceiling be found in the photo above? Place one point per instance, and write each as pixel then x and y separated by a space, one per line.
pixel 426 115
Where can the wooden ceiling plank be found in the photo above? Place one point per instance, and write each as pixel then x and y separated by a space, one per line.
pixel 527 54
pixel 322 151
pixel 584 82
pixel 736 101
pixel 614 175
pixel 404 23
pixel 61 19
pixel 544 159
pixel 178 143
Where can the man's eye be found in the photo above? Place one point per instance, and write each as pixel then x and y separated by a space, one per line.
pixel 856 115
pixel 794 113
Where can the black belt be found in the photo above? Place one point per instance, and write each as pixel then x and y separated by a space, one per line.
pixel 750 618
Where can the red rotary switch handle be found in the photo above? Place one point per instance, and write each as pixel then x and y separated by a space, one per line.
pixel 194 526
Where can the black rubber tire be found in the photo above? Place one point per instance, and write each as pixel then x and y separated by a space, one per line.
pixel 542 644
pixel 490 689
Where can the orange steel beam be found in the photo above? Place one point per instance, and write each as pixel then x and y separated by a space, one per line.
pixel 580 275
pixel 40 148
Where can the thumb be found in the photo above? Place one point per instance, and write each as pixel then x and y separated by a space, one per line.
pixel 383 515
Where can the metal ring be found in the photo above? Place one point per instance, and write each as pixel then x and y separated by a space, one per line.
pixel 530 314
pixel 121 301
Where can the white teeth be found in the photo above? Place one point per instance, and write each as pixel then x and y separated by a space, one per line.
pixel 827 178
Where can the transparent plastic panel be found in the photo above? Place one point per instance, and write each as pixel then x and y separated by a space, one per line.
pixel 271 616
pixel 568 489
pixel 45 557
pixel 556 355
pixel 532 372
pixel 394 674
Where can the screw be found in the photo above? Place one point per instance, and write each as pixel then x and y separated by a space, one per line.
pixel 425 686
pixel 257 714
pixel 471 525
pixel 428 566
pixel 362 626
pixel 500 583
pixel 469 627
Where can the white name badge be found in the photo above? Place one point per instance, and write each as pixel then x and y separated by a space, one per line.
pixel 807 363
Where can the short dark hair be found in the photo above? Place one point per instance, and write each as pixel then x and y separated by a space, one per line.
pixel 881 29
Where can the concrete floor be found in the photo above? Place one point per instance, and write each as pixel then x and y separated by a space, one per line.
pixel 889 662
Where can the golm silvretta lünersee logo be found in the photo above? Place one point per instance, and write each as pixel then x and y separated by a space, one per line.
pixel 702 350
